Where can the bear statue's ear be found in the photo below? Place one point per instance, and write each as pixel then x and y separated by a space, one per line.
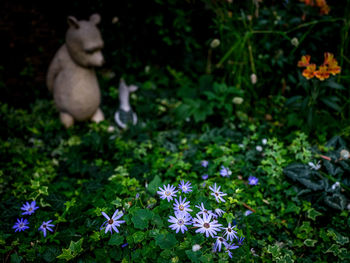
pixel 95 18
pixel 73 22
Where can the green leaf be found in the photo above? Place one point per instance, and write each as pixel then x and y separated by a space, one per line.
pixel 15 258
pixel 337 237
pixel 334 249
pixel 66 254
pixel 138 236
pixel 50 254
pixel 116 240
pixel 74 249
pixel 312 213
pixel 274 250
pixel 141 218
pixel 194 256
pixel 331 104
pixel 310 242
pixel 166 241
pixel 154 184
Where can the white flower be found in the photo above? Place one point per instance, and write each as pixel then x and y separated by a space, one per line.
pixel 264 141
pixel 168 192
pixel 206 225
pixel 196 247
pixel 179 222
pixel 259 148
pixel 112 222
pixel 230 233
pixel 315 166
pixel 217 194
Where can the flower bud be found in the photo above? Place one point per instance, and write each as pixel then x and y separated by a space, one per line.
pixel 294 42
pixel 215 43
pixel 253 78
pixel 237 100
pixel 344 154
pixel 196 247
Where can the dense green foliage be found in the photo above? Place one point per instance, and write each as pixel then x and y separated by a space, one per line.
pixel 198 100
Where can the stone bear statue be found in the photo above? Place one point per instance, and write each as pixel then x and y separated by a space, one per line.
pixel 71 76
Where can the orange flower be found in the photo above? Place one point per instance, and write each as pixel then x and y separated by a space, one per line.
pixel 333 68
pixel 305 61
pixel 322 72
pixel 332 63
pixel 309 72
pixel 324 8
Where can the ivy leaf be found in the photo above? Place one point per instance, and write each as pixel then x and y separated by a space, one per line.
pixel 337 201
pixel 166 241
pixel 337 237
pixel 312 213
pixel 141 218
pixel 116 240
pixel 333 249
pixel 74 249
pixel 310 242
pixel 274 250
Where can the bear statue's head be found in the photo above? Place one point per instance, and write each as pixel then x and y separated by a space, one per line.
pixel 84 41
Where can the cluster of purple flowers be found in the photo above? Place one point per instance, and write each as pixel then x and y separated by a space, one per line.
pixel 205 221
pixel 22 224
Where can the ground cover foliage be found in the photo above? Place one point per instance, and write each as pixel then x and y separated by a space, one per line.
pixel 231 95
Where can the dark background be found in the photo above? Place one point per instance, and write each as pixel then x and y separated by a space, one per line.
pixel 32 31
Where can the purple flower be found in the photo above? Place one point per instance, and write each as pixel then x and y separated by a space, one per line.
pixel 205 225
pixel 219 242
pixel 46 226
pixel 29 208
pixel 230 247
pixel 229 232
pixel 205 176
pixel 247 213
pixel 203 210
pixel 180 221
pixel 204 163
pixel 240 241
pixel 225 172
pixel 182 205
pixel 219 212
pixel 185 187
pixel 21 225
pixel 253 180
pixel 124 245
pixel 217 194
pixel 113 222
pixel 167 193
